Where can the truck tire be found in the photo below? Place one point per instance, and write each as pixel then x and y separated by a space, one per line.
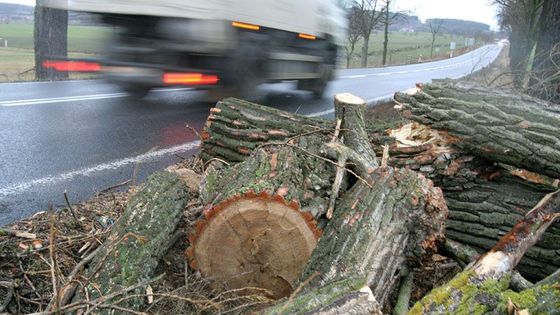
pixel 318 86
pixel 136 92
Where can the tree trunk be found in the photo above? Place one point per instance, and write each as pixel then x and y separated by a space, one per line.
pixel 483 287
pixel 50 39
pixel 386 34
pixel 385 227
pixel 236 127
pixel 547 86
pixel 432 49
pixel 365 52
pixel 137 241
pixel 511 129
pixel 484 200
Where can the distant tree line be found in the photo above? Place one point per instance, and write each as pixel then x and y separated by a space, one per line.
pixel 534 34
pixel 367 16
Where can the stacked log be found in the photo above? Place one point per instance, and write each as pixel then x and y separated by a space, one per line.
pixel 485 198
pixel 383 220
pixel 477 131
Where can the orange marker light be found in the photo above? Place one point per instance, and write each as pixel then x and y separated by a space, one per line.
pixel 246 26
pixel 189 79
pixel 72 66
pixel 307 36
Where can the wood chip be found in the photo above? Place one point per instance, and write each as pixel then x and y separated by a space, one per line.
pixel 150 294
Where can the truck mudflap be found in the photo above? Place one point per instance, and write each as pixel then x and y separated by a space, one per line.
pixel 135 73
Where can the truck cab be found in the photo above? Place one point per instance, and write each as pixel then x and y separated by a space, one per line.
pixel 230 45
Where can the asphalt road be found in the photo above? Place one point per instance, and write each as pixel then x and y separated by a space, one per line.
pixel 84 136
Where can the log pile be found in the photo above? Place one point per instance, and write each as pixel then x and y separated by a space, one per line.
pixel 328 219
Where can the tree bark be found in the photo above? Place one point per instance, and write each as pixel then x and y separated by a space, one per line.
pixel 235 128
pixel 365 52
pixel 484 199
pixel 50 39
pixel 482 287
pixel 517 130
pixel 137 241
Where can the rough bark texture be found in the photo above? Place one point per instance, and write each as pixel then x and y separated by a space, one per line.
pixel 517 130
pixel 50 38
pixel 482 287
pixel 289 171
pixel 347 296
pixel 138 240
pixel 236 127
pixel 376 230
pixel 485 199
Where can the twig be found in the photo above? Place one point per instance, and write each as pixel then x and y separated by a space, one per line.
pixel 72 210
pixel 9 232
pixel 336 130
pixel 340 171
pixel 69 290
pixel 403 299
pixel 317 157
pixel 99 301
pixel 136 169
pixel 10 286
pixel 385 158
pixel 194 131
pixel 126 182
pixel 52 256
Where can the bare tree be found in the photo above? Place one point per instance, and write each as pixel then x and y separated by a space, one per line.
pixel 353 34
pixel 435 26
pixel 369 16
pixel 50 38
pixel 389 16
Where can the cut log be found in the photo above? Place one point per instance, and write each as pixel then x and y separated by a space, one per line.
pixel 482 287
pixel 376 231
pixel 236 127
pixel 137 241
pixel 511 129
pixel 484 199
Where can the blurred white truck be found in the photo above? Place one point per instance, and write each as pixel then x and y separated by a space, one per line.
pixel 231 44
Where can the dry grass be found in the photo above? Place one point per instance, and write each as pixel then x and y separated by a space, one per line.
pixel 27 263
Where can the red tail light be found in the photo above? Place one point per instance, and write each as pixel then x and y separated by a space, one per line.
pixel 72 66
pixel 189 79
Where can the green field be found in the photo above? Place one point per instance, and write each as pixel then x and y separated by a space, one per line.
pixel 406 48
pixel 86 39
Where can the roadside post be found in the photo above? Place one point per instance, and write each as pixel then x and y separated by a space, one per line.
pixel 452 47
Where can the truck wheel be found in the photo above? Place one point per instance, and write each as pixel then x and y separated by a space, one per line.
pixel 318 86
pixel 135 91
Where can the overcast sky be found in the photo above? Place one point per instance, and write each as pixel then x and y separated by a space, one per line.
pixel 472 10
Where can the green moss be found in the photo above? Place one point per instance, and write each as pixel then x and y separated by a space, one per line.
pixel 314 299
pixel 465 296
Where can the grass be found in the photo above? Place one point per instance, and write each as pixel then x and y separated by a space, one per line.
pixel 406 48
pixel 85 39
pixel 17 64
pixel 17 61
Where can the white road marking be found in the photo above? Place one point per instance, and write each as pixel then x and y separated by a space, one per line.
pixel 359 76
pixel 66 99
pixel 60 99
pixel 51 180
